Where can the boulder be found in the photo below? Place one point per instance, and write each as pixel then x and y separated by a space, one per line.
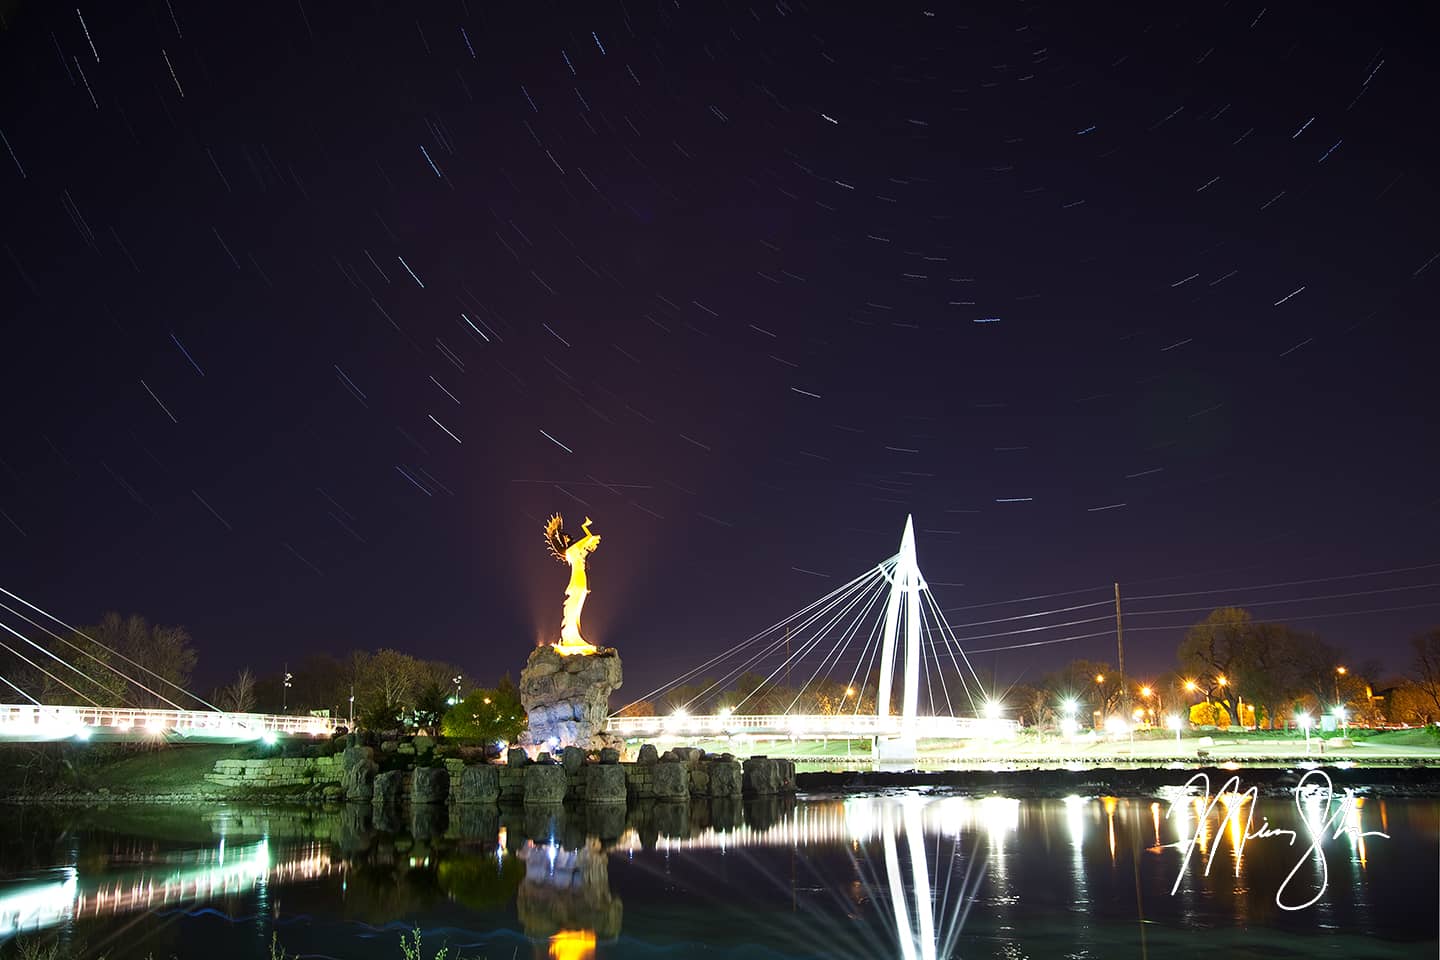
pixel 671 781
pixel 572 758
pixel 388 746
pixel 405 749
pixel 423 744
pixel 479 783
pixel 648 754
pixel 567 698
pixel 545 783
pixel 786 769
pixel 430 785
pixel 355 755
pixel 358 781
pixel 605 783
pixel 726 778
pixel 516 757
pixel 387 787
pixel 332 792
pixel 609 755
pixel 762 776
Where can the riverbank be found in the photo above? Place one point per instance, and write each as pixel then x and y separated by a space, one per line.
pixel 1128 781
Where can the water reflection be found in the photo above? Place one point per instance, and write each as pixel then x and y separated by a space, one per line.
pixel 915 876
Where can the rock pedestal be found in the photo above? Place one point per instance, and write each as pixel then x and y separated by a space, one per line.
pixel 566 699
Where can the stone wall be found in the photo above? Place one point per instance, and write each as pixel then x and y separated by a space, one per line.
pixel 678 775
pixel 266 772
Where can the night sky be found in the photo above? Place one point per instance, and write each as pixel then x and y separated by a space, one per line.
pixel 314 312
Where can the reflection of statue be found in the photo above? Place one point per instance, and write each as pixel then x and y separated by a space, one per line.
pixel 565 902
pixel 574 554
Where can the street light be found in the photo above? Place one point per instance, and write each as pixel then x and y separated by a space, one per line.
pixel 1339 672
pixel 1174 723
pixel 1342 715
pixel 285 691
pixel 1304 720
pixel 456 680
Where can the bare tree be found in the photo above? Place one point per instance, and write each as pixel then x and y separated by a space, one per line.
pixel 239 697
pixel 1425 669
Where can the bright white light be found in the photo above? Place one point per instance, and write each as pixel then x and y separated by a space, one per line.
pixel 1303 719
pixel 1069 707
pixel 680 713
pixel 726 711
pixel 993 709
pixel 1116 725
pixel 1173 722
pixel 83 733
pixel 1068 726
pixel 268 736
pixel 1340 713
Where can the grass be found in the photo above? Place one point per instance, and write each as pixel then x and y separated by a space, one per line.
pixel 1418 737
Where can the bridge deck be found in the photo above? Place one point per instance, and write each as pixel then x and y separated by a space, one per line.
pixel 30 722
pixel 833 726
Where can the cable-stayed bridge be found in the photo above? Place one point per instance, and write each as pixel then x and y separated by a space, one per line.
pixel 887 614
pixel 846 648
pixel 101 685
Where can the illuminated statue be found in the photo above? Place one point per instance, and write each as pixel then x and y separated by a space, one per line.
pixel 574 554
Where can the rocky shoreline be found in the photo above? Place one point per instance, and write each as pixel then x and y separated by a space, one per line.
pixel 1279 780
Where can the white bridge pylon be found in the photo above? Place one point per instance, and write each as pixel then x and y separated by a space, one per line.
pixel 905 585
pixel 886 614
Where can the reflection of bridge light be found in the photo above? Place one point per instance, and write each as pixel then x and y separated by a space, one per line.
pixel 200 875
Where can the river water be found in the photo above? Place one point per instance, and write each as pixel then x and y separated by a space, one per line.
pixel 906 875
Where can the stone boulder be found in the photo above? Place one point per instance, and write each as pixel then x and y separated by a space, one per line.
pixel 572 758
pixel 567 698
pixel 648 754
pixel 516 757
pixel 423 745
pixel 605 783
pixel 430 785
pixel 726 778
pixel 358 781
pixel 356 755
pixel 762 776
pixel 387 787
pixel 609 755
pixel 671 781
pixel 545 783
pixel 479 783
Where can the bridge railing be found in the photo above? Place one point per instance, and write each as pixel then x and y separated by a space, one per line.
pixel 58 722
pixel 810 726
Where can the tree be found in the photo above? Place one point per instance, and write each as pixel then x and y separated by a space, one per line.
pixel 239 697
pixel 155 663
pixel 487 715
pixel 1217 651
pixel 1094 686
pixel 431 703
pixel 640 708
pixel 1425 669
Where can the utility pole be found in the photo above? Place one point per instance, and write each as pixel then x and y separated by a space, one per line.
pixel 1120 655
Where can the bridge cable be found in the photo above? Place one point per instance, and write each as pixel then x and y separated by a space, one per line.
pixel 47 673
pixel 107 649
pixel 19 691
pixel 62 661
pixel 752 639
pixel 772 647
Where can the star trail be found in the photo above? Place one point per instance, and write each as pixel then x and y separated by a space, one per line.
pixel 1096 295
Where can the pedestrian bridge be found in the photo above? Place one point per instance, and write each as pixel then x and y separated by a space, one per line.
pixel 33 723
pixel 823 726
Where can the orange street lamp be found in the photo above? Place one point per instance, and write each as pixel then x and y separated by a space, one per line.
pixel 1146 692
pixel 1190 686
pixel 1221 680
pixel 1099 678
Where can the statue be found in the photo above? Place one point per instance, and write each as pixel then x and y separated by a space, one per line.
pixel 574 554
